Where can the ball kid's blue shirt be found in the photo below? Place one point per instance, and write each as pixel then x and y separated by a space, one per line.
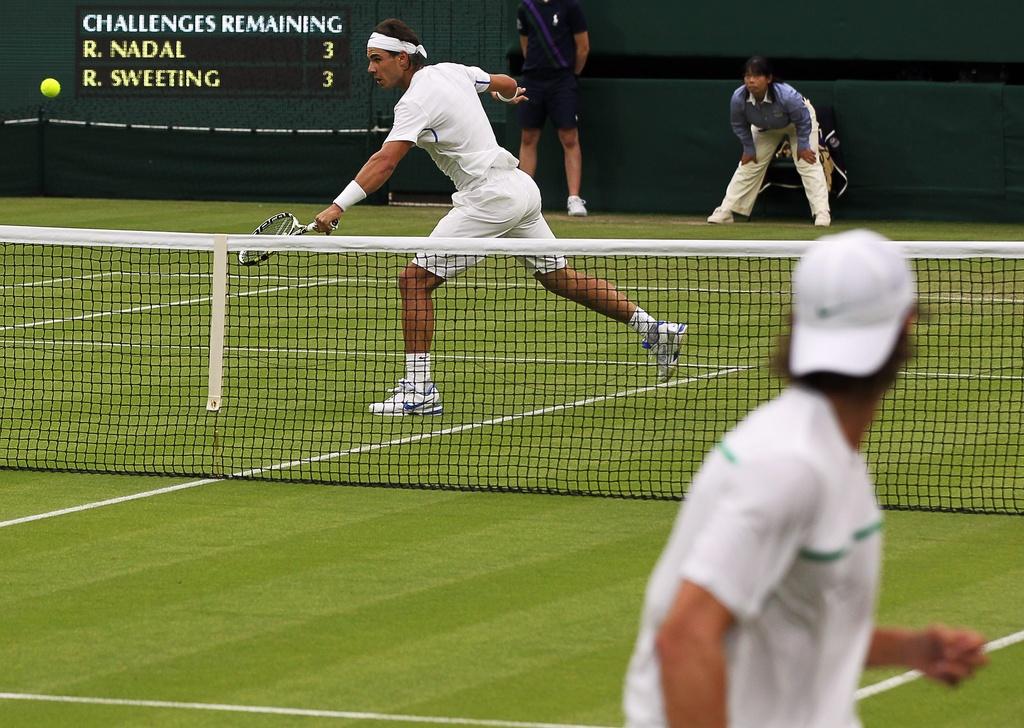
pixel 783 105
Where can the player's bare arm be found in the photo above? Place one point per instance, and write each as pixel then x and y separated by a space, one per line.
pixel 377 170
pixel 691 649
pixel 582 51
pixel 379 167
pixel 944 654
pixel 507 89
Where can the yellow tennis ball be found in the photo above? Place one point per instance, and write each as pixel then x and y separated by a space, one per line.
pixel 50 87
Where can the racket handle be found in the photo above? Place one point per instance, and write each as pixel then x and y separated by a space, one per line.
pixel 312 226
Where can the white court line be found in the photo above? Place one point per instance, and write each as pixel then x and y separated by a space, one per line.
pixel 911 675
pixel 391 281
pixel 374 446
pixel 305 712
pixel 382 354
pixel 155 306
pixel 104 314
pixel 494 285
pixel 486 423
pixel 399 718
pixel 51 281
pixel 374 353
pixel 108 502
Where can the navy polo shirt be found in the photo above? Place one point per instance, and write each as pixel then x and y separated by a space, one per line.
pixel 549 27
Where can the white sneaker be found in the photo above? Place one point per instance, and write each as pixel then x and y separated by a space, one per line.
pixel 823 219
pixel 577 207
pixel 664 341
pixel 409 400
pixel 720 217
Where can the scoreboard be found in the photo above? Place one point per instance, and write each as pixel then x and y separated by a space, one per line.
pixel 232 64
pixel 212 52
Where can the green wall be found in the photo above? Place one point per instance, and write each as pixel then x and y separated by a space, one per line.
pixel 925 150
pixel 913 150
pixel 21 171
pixel 89 161
pixel 918 150
pixel 919 30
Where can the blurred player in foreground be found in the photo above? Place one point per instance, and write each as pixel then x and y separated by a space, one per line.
pixel 440 111
pixel 760 609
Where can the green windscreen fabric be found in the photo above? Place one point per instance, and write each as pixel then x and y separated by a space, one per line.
pixel 22 153
pixel 648 145
pixel 912 150
pixel 1013 125
pixel 199 165
pixel 922 148
pixel 944 30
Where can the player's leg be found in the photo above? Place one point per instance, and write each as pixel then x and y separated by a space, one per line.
pixel 563 108
pixel 487 211
pixel 813 175
pixel 416 393
pixel 417 283
pixel 570 139
pixel 531 115
pixel 529 140
pixel 661 338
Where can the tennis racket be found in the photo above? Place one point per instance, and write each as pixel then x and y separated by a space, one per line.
pixel 283 223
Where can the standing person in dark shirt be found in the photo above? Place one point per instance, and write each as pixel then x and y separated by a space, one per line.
pixel 555 43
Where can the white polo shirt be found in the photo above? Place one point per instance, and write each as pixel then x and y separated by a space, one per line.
pixel 781 526
pixel 441 113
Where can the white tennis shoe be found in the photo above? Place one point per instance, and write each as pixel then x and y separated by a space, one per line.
pixel 721 216
pixel 408 399
pixel 576 207
pixel 664 341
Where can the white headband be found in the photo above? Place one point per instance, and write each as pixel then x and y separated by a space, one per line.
pixel 387 43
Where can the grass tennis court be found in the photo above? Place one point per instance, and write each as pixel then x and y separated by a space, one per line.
pixel 110 349
pixel 454 606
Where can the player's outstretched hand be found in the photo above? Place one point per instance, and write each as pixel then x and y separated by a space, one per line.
pixel 946 654
pixel 327 220
pixel 519 97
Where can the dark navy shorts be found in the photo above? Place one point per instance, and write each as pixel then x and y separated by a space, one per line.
pixel 551 97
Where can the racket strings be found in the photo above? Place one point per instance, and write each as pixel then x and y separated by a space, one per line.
pixel 281 224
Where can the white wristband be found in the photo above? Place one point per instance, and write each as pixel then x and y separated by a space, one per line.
pixel 349 196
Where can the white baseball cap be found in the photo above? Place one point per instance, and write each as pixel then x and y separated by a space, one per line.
pixel 852 293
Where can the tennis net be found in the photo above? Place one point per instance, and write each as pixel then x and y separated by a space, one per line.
pixel 157 353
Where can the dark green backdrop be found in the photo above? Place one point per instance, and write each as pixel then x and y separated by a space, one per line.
pixel 913 149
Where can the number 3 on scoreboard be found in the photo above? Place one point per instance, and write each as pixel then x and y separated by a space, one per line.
pixel 328 79
pixel 328 50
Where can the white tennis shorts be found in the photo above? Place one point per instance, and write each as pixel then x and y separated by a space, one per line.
pixel 506 205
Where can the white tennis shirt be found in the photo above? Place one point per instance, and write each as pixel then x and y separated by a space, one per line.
pixel 441 113
pixel 781 526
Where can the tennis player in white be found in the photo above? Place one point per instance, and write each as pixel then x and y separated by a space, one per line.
pixel 760 609
pixel 440 111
